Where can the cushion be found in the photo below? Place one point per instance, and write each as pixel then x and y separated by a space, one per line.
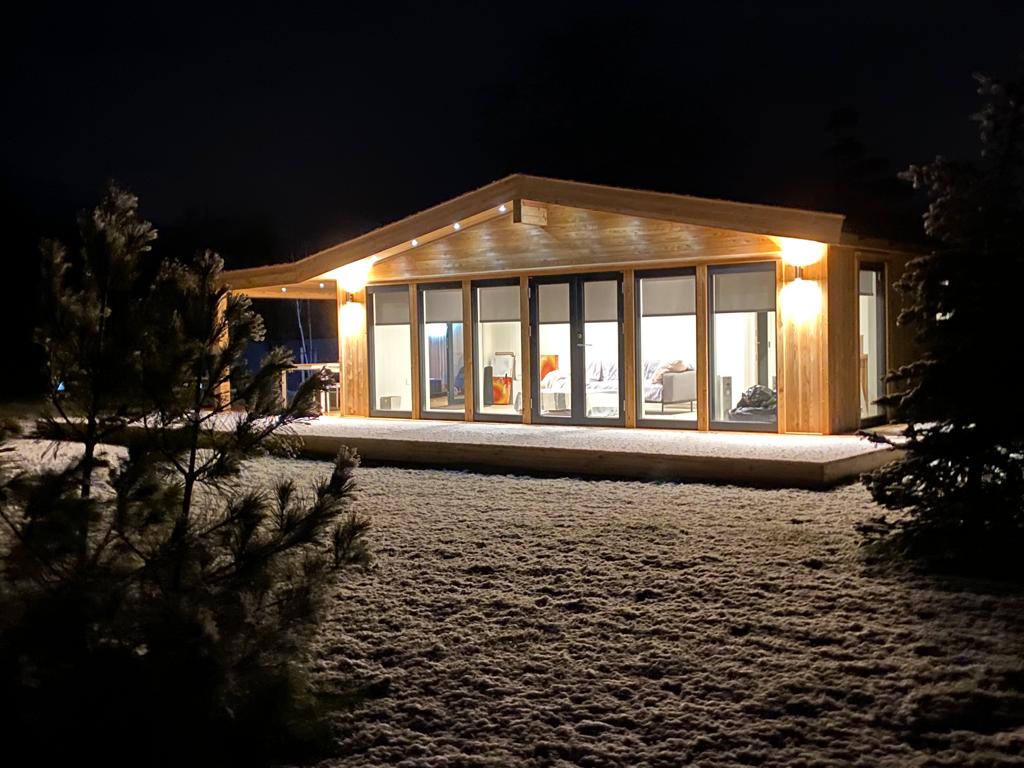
pixel 669 366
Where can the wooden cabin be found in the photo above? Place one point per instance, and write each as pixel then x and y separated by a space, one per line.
pixel 542 301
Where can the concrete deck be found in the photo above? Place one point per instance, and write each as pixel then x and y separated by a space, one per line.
pixel 784 461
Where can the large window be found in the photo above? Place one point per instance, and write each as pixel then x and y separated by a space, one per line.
pixel 666 363
pixel 871 313
pixel 499 356
pixel 742 347
pixel 442 366
pixel 554 345
pixel 390 351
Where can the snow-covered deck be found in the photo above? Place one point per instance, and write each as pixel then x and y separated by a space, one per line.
pixel 798 461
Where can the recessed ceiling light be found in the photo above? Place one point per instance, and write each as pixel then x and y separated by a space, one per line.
pixel 321 285
pixel 415 242
pixel 284 290
pixel 502 208
pixel 457 226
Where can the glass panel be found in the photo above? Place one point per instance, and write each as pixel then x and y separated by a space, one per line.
pixel 499 351
pixel 743 385
pixel 554 348
pixel 601 339
pixel 667 346
pixel 872 341
pixel 444 383
pixel 392 353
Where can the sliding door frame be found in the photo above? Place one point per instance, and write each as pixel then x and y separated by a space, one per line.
pixel 741 426
pixel 577 330
pixel 700 404
pixel 421 320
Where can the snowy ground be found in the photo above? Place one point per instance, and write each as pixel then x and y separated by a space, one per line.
pixel 543 622
pixel 737 445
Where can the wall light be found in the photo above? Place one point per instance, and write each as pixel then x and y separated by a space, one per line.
pixel 353 277
pixel 800 253
pixel 801 300
pixel 352 318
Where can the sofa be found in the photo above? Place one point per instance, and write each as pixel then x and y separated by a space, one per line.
pixel 669 382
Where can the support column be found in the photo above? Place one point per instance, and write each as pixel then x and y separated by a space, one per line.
pixel 353 365
pixel 703 359
pixel 527 348
pixel 629 346
pixel 468 361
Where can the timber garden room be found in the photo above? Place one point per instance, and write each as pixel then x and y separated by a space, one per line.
pixel 541 301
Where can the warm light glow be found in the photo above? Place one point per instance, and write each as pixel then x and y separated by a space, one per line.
pixel 800 253
pixel 284 290
pixel 353 277
pixel 321 285
pixel 457 226
pixel 415 242
pixel 352 318
pixel 502 208
pixel 801 301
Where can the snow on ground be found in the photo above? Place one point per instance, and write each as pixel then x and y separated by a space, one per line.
pixel 749 445
pixel 512 621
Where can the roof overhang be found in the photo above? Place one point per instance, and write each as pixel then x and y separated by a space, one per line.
pixel 486 203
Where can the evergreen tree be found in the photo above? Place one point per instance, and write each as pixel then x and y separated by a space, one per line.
pixel 962 478
pixel 148 594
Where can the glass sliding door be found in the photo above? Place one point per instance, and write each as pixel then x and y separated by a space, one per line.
pixel 553 340
pixel 499 351
pixel 742 347
pixel 871 316
pixel 666 366
pixel 577 349
pixel 390 350
pixel 442 370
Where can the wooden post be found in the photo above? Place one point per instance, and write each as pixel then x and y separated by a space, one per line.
pixel 703 360
pixel 353 364
pixel 527 349
pixel 468 366
pixel 414 339
pixel 629 346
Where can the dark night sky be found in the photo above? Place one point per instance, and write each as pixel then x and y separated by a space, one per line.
pixel 272 134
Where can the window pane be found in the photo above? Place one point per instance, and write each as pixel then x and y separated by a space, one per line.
pixel 872 341
pixel 392 354
pixel 601 350
pixel 667 346
pixel 499 351
pixel 442 353
pixel 554 350
pixel 743 381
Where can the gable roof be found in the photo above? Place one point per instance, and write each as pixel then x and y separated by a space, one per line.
pixel 722 214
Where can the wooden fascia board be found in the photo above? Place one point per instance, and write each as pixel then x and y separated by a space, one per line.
pixel 721 214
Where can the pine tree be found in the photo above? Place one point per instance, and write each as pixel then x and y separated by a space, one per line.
pixel 150 591
pixel 961 481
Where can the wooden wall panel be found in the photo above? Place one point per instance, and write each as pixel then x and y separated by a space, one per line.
pixel 527 364
pixel 843 354
pixel 703 360
pixel 353 362
pixel 803 352
pixel 414 336
pixel 629 346
pixel 468 343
